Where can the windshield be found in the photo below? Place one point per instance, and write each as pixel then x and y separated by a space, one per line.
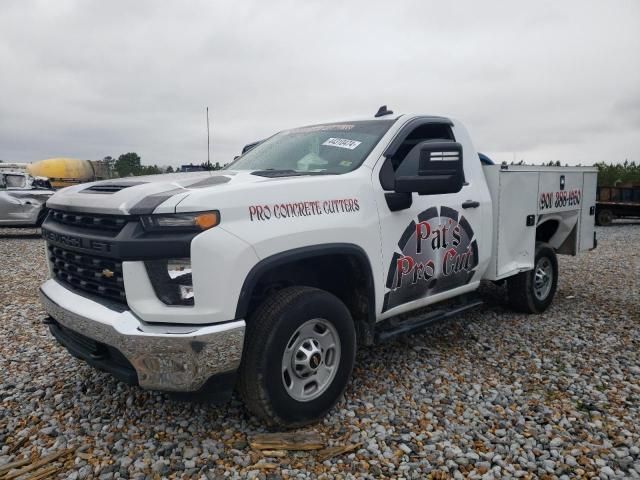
pixel 329 148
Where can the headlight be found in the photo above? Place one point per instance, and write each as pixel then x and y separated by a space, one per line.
pixel 181 222
pixel 171 280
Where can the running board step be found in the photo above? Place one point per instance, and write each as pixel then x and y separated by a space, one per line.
pixel 422 321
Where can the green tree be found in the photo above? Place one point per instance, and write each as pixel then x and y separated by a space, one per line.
pixel 150 170
pixel 169 169
pixel 214 166
pixel 612 174
pixel 128 164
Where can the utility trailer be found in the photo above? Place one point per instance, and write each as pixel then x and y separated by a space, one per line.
pixel 617 202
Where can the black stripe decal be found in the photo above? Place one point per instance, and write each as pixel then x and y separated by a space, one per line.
pixel 466 227
pixel 428 214
pixel 392 270
pixel 148 204
pixel 406 235
pixel 449 212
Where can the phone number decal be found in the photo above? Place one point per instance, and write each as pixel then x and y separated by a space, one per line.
pixel 565 198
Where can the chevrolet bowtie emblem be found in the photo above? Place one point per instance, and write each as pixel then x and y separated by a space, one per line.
pixel 106 273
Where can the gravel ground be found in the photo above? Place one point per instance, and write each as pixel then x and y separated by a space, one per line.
pixel 492 394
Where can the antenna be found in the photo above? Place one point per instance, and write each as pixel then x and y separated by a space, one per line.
pixel 382 111
pixel 208 143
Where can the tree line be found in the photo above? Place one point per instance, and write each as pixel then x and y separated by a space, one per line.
pixel 609 174
pixel 130 164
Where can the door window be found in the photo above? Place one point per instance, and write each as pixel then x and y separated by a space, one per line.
pixel 422 133
pixel 15 181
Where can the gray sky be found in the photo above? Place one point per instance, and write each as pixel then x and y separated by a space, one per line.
pixel 545 80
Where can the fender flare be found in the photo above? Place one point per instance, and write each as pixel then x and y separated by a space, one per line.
pixel 296 254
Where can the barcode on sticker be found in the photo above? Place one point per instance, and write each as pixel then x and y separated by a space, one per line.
pixel 342 143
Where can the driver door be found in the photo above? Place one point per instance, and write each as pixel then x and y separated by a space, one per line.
pixel 431 213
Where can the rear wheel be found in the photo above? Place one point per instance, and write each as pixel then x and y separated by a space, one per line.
pixel 532 291
pixel 604 217
pixel 299 353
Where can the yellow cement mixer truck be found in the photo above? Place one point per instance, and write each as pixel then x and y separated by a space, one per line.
pixel 63 172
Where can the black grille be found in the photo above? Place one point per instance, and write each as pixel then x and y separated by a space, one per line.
pixel 97 275
pixel 112 223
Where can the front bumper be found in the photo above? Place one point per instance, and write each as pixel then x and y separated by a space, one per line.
pixel 179 358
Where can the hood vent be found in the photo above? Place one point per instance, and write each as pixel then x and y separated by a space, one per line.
pixel 110 187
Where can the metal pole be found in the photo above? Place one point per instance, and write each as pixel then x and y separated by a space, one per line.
pixel 208 143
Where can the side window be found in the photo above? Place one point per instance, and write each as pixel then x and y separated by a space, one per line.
pixel 426 161
pixel 15 181
pixel 3 183
pixel 422 133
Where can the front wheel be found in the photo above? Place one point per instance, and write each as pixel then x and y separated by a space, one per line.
pixel 532 291
pixel 299 353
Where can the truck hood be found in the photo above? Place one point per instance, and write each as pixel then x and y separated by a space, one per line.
pixel 148 194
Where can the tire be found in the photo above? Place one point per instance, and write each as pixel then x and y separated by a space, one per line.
pixel 525 295
pixel 604 218
pixel 287 346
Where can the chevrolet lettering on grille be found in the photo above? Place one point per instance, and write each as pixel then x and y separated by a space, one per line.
pixel 68 240
pixel 77 242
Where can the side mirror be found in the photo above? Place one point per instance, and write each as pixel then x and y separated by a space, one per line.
pixel 431 168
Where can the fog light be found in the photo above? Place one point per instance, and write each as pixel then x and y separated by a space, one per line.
pixel 186 292
pixel 171 280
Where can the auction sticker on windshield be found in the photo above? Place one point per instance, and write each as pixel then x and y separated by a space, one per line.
pixel 342 143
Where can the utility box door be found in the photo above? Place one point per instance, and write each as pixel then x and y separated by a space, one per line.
pixel 560 191
pixel 514 196
pixel 516 241
pixel 587 217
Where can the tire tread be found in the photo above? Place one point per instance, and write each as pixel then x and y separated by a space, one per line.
pixel 257 329
pixel 520 288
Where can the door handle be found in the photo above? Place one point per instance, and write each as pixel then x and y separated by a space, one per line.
pixel 470 204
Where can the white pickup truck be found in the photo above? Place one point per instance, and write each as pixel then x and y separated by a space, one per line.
pixel 264 276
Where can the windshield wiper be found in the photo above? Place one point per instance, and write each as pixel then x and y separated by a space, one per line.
pixel 275 173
